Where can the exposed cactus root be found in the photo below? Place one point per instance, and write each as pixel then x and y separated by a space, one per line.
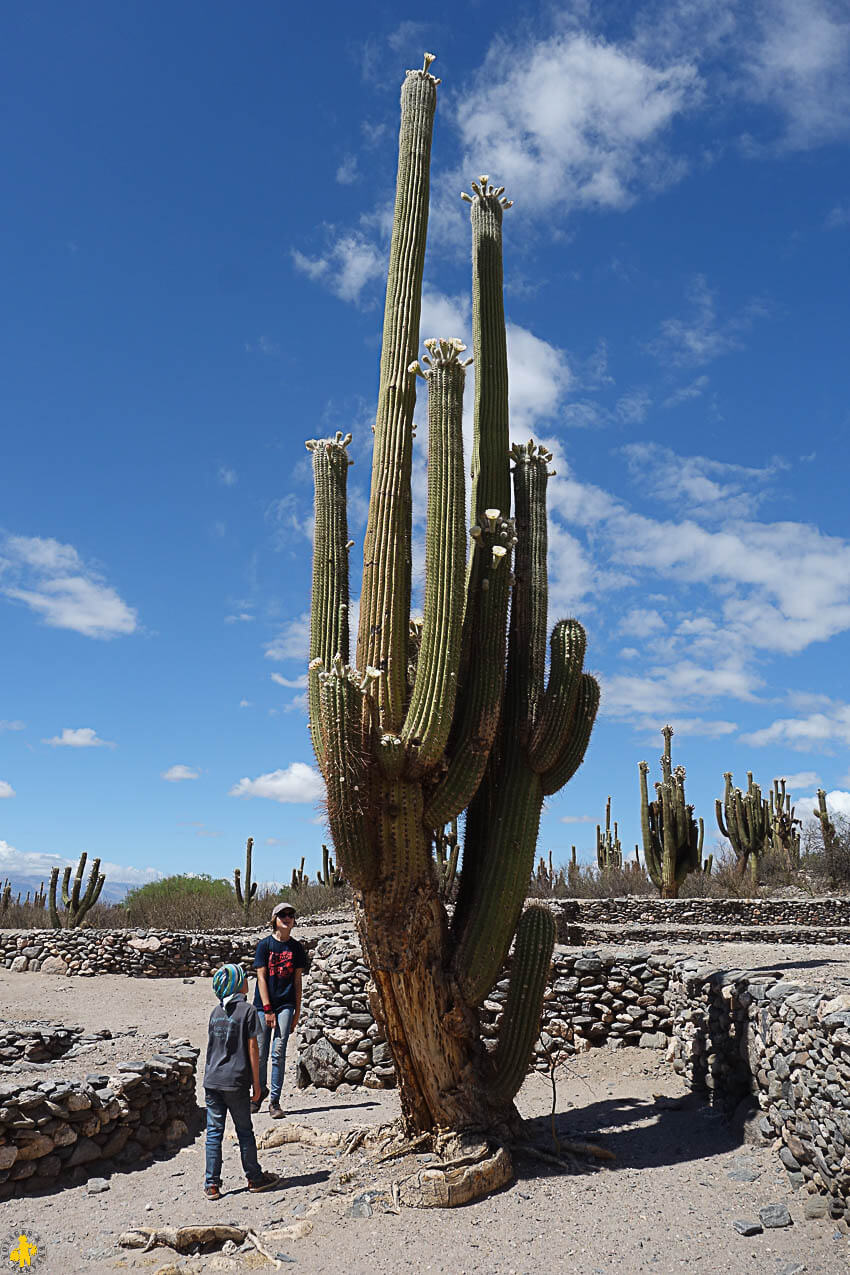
pixel 446 1186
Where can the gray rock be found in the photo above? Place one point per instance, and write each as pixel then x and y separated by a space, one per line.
pixel 745 1226
pixel 815 1206
pixel 95 1186
pixel 653 1040
pixel 360 1208
pixel 775 1215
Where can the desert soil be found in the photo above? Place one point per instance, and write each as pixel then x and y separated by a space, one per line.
pixel 665 1204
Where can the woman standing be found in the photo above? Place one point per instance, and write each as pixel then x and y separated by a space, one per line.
pixel 279 962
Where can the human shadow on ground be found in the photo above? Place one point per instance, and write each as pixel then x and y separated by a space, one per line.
pixel 792 965
pixel 641 1133
pixel 330 1106
pixel 287 1182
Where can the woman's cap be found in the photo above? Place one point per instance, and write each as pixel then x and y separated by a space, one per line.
pixel 282 907
pixel 227 980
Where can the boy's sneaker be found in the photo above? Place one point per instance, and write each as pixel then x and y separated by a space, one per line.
pixel 212 1192
pixel 275 1111
pixel 255 1106
pixel 264 1182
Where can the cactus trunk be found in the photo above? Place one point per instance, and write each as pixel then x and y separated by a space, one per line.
pixel 451 714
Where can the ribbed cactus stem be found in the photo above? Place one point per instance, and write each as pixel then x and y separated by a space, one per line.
pixel 672 842
pixel 745 820
pixel 609 851
pixel 535 941
pixel 385 597
pixel 429 717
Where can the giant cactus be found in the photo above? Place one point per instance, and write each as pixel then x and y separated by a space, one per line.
pixel 784 827
pixel 75 906
pixel 245 898
pixel 830 836
pixel 672 842
pixel 747 825
pixel 437 718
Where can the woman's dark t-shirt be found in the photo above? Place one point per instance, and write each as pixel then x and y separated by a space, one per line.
pixel 280 961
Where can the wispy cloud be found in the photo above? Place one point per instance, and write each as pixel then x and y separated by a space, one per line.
pixel 685 393
pixel 705 488
pixel 35 863
pixel 578 819
pixel 16 725
pixel 293 640
pixel 6 789
pixel 347 173
pixel 348 265
pixel 227 477
pixel 703 335
pixel 82 737
pixel 53 581
pixel 176 774
pixel 823 731
pixel 293 683
pixel 297 783
pixel 242 617
pixel 263 345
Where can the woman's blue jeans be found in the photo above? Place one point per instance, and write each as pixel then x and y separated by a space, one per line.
pixel 238 1103
pixel 274 1040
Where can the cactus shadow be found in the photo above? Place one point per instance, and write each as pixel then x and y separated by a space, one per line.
pixel 329 1106
pixel 641 1133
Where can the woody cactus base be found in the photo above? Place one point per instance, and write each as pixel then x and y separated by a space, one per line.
pixel 436 718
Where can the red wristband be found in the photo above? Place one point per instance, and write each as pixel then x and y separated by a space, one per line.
pixel 267 1009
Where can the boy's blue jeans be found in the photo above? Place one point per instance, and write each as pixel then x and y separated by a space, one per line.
pixel 238 1103
pixel 276 1041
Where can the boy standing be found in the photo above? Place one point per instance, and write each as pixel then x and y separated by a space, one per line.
pixel 279 962
pixel 233 1065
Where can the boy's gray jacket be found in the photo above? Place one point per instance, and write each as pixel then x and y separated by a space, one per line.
pixel 231 1027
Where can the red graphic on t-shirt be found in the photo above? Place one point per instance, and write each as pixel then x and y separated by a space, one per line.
pixel 281 964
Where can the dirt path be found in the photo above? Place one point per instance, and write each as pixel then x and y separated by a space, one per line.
pixel 667 1203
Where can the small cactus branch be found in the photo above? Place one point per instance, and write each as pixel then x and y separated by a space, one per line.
pixel 535 942
pixel 52 907
pixel 429 717
pixel 342 708
pixel 576 739
pixel 329 604
pixel 527 635
pixel 385 597
pixel 567 647
pixel 672 842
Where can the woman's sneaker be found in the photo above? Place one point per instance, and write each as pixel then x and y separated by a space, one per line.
pixel 212 1192
pixel 275 1111
pixel 264 1182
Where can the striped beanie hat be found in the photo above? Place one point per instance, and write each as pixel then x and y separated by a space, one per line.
pixel 227 980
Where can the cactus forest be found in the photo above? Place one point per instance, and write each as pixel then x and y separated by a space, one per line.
pixel 454 715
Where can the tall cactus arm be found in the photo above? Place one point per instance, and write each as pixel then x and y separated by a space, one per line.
pixel 237 882
pixel 385 597
pixel 78 881
pixel 66 882
pixel 93 889
pixel 527 633
pixel 483 642
pixel 576 738
pixel 342 709
pixel 535 941
pixel 432 702
pixel 497 863
pixel 329 604
pixel 567 646
pixel 51 902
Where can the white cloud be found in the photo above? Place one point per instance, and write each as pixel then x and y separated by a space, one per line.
pixel 35 863
pixel 12 726
pixel 262 345
pixel 838 217
pixel 802 779
pixel 705 488
pixel 227 476
pixel 822 731
pixel 347 173
pixel 703 336
pixel 83 737
pixel 244 617
pixel 837 803
pixel 297 783
pixel 293 641
pixel 695 389
pixel 245 703
pixel 52 580
pixel 641 622
pixel 349 264
pixel 597 144
pixel 538 379
pixel 6 789
pixel 294 683
pixel 578 819
pixel 175 774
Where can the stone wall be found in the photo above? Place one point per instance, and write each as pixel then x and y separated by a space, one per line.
pixel 61 1132
pixel 36 1042
pixel 777 920
pixel 136 953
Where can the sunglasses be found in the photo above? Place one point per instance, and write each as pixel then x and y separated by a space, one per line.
pixel 286 916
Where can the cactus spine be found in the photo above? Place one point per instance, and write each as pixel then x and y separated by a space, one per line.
pixel 246 900
pixel 747 824
pixel 672 842
pixel 75 907
pixel 609 851
pixel 434 719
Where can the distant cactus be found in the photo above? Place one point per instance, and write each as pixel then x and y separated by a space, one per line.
pixel 6 895
pixel 572 868
pixel 747 823
pixel 250 894
pixel 75 907
pixel 672 842
pixel 609 852
pixel 299 877
pixel 446 854
pixel 784 828
pixel 330 874
pixel 830 836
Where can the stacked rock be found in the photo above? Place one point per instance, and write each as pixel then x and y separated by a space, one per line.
pixel 736 1034
pixel 35 1042
pixel 60 1131
pixel 645 920
pixel 137 953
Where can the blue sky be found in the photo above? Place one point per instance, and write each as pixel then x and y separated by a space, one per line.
pixel 194 235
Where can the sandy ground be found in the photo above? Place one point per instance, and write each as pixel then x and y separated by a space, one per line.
pixel 667 1202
